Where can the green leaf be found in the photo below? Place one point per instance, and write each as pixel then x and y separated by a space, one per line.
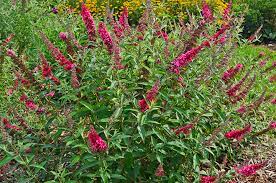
pixel 6 160
pixel 117 176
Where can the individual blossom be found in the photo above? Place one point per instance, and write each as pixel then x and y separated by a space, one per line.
pixel 11 53
pixel 262 63
pixel 8 125
pixel 89 23
pixel 230 73
pixel 273 101
pixel 160 171
pixel 272 125
pixel 23 98
pixel 185 58
pixel 238 134
pixel 249 170
pixel 186 129
pixel 50 94
pixel 241 110
pixel 40 110
pixel 207 13
pixel 63 36
pixel 104 34
pixel 95 142
pixel 261 54
pixel 207 179
pixel 7 40
pixel 272 79
pixel 55 10
pixel 31 105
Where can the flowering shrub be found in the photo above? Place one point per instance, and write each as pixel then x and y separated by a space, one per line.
pixel 104 101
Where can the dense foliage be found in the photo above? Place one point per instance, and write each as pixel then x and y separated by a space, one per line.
pixel 100 100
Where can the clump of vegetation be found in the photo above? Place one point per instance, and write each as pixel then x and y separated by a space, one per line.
pixel 95 100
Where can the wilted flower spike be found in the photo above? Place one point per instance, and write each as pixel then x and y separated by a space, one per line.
pixel 160 171
pixel 153 92
pixel 238 134
pixel 10 126
pixel 186 129
pixel 95 142
pixel 249 170
pixel 207 179
pixel 89 23
pixel 241 110
pixel 106 37
pixel 230 73
pixel 56 53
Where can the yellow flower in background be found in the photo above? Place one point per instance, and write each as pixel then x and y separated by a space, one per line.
pixel 174 8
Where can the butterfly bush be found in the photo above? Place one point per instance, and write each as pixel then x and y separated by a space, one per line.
pixel 104 100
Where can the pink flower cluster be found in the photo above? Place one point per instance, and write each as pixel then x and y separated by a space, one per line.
pixel 7 40
pixel 207 13
pixel 11 53
pixel 123 19
pixel 241 110
pixel 28 103
pixel 63 36
pixel 95 142
pixel 238 134
pixel 207 179
pixel 273 101
pixel 151 94
pixel 249 170
pixel 186 58
pixel 231 92
pixel 8 125
pixel 272 125
pixel 230 73
pixel 163 34
pixel 56 53
pixel 186 129
pixel 47 71
pixel 117 29
pixel 221 31
pixel 104 34
pixel 89 23
pixel 160 171
pixel 227 10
